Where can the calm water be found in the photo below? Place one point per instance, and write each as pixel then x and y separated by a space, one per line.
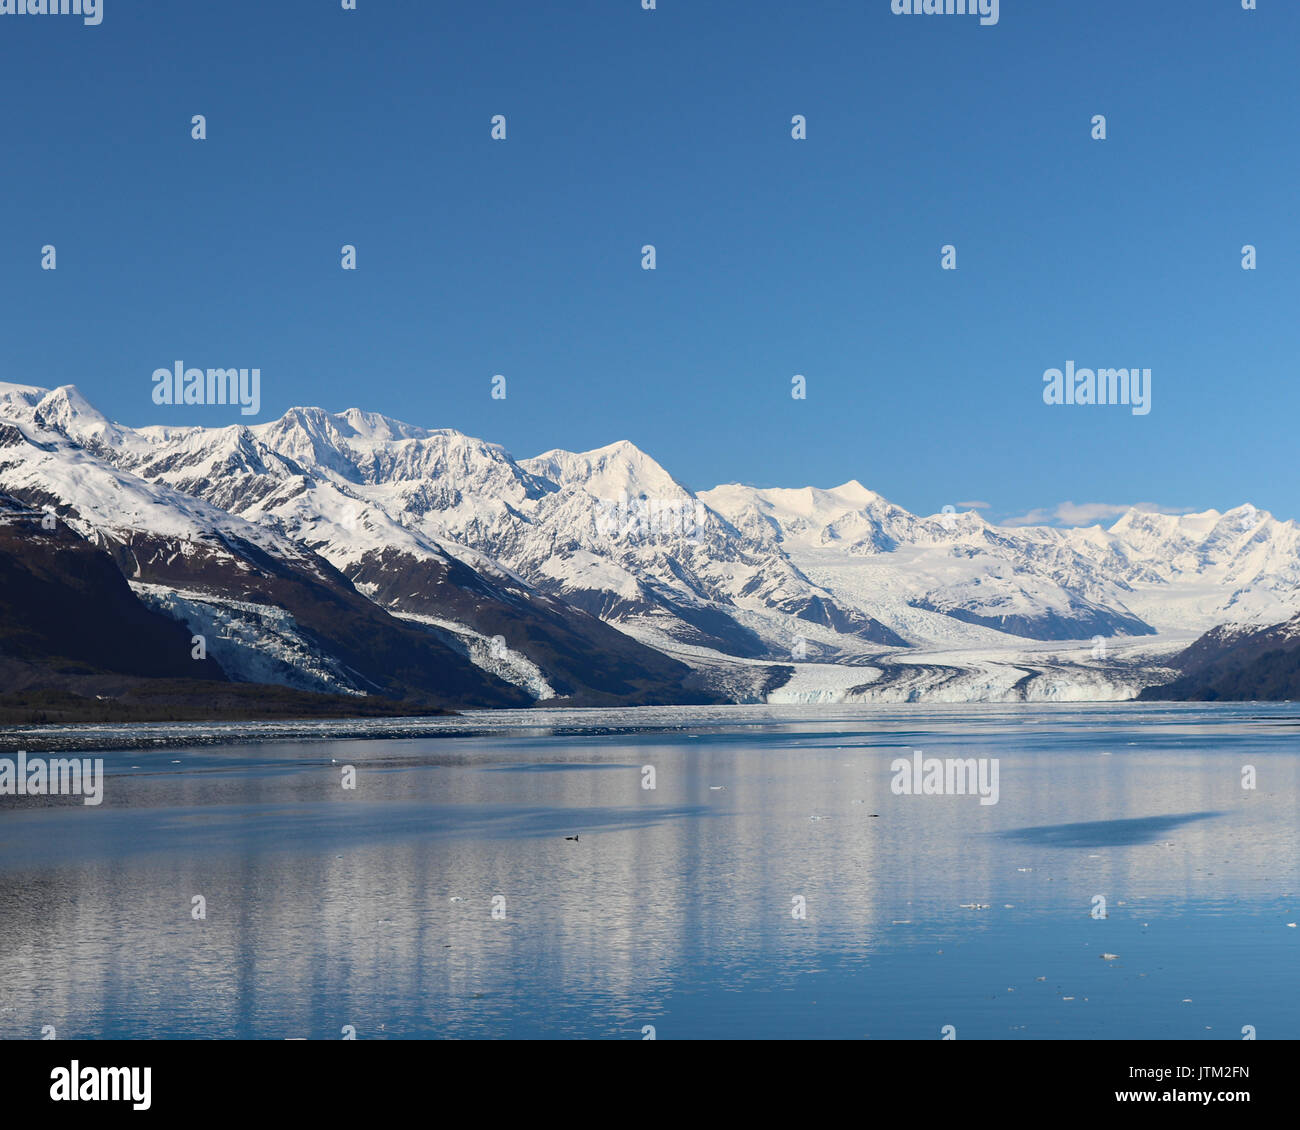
pixel 373 907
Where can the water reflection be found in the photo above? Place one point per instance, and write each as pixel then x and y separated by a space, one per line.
pixel 374 907
pixel 1107 833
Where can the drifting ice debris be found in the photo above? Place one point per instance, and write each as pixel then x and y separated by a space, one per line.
pixel 717 788
pixel 1110 957
pixel 455 898
pixel 974 906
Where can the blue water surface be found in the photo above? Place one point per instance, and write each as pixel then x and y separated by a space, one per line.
pixel 443 898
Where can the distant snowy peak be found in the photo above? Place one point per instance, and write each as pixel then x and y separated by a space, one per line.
pixel 743 570
pixel 609 472
pixel 1156 532
pixel 18 400
pixel 430 469
pixel 1242 545
pixel 49 470
pixel 373 426
pixel 850 517
pixel 66 405
pixel 1149 532
pixel 64 410
pixel 812 505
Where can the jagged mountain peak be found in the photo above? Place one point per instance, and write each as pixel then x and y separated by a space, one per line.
pixel 13 394
pixel 350 424
pixel 375 426
pixel 608 472
pixel 65 410
pixel 57 406
pixel 367 447
pixel 855 493
pixel 70 397
pixel 1146 521
pixel 807 510
pixel 1150 528
pixel 739 569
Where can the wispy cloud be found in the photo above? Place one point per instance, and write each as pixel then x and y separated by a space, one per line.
pixel 974 505
pixel 1087 513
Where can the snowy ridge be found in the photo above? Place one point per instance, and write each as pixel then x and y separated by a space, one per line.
pixel 801 594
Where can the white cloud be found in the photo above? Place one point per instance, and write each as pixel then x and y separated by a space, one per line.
pixel 1087 513
pixel 974 506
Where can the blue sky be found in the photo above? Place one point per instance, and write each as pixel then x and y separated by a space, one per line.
pixel 775 257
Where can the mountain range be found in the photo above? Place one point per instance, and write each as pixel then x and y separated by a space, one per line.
pixel 355 556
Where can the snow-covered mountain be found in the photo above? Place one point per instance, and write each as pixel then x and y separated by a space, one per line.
pixel 273 609
pixel 609 532
pixel 268 608
pixel 599 577
pixel 920 574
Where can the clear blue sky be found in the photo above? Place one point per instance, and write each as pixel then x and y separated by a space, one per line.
pixel 775 257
